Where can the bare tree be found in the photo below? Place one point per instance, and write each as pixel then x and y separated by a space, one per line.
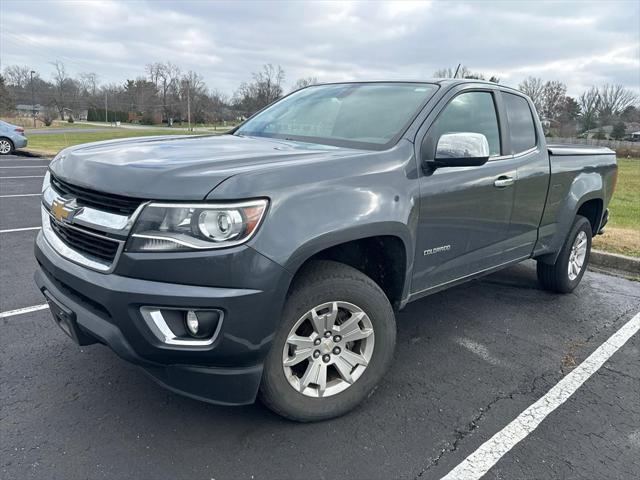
pixel 304 82
pixel 65 89
pixel 589 103
pixel 165 77
pixel 18 76
pixel 88 83
pixel 463 72
pixel 218 107
pixel 265 88
pixel 534 88
pixel 7 103
pixel 613 100
pixel 194 91
pixel 553 98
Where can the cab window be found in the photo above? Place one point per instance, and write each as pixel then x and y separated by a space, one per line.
pixel 521 127
pixel 470 112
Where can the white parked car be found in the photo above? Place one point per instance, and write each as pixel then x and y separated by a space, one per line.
pixel 11 137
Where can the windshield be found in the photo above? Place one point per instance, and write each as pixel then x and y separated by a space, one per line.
pixel 359 115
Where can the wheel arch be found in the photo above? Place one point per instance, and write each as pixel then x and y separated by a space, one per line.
pixel 586 198
pixel 383 256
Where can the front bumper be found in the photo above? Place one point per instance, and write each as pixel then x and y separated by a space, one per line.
pixel 107 310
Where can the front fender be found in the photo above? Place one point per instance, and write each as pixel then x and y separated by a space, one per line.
pixel 320 205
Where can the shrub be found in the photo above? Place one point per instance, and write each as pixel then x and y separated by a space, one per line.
pixel 49 115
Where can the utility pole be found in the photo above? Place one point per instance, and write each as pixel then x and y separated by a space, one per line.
pixel 189 104
pixel 33 102
pixel 106 115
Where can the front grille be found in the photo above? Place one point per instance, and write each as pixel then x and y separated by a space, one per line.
pixel 107 202
pixel 99 247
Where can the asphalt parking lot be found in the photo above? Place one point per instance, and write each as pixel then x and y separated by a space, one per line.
pixel 469 360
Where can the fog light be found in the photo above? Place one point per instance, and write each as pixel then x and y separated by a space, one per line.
pixel 192 323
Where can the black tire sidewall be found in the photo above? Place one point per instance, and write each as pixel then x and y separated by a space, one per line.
pixel 581 224
pixel 281 396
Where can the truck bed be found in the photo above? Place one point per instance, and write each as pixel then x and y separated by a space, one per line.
pixel 562 150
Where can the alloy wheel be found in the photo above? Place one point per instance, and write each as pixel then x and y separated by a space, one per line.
pixel 577 255
pixel 5 147
pixel 328 349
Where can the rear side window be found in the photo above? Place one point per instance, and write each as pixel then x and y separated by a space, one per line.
pixel 473 112
pixel 523 131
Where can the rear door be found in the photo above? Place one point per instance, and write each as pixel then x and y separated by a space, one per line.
pixel 464 212
pixel 530 158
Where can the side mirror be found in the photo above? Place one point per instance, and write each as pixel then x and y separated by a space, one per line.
pixel 465 149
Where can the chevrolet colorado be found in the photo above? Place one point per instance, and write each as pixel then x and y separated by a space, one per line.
pixel 270 261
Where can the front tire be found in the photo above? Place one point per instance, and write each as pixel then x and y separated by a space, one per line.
pixel 565 275
pixel 334 345
pixel 6 146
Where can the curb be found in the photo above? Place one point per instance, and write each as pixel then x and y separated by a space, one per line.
pixel 624 263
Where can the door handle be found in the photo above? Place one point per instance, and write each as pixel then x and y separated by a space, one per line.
pixel 503 182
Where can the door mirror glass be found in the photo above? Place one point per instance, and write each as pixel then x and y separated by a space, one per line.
pixel 464 149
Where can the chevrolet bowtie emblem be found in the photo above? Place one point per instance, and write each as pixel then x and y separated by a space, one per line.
pixel 64 210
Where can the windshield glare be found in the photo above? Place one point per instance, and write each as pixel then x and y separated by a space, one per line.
pixel 358 115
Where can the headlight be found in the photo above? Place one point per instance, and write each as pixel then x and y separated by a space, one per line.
pixel 46 182
pixel 197 226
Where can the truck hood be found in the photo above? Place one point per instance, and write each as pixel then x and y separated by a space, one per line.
pixel 181 167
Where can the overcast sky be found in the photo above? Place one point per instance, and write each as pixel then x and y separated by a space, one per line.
pixel 580 43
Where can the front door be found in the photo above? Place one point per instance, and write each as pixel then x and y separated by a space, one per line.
pixel 464 211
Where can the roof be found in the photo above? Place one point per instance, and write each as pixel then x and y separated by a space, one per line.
pixel 22 106
pixel 439 81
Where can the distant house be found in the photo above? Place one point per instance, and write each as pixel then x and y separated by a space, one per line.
pixel 151 117
pixel 27 110
pixel 81 114
pixel 604 131
pixel 631 129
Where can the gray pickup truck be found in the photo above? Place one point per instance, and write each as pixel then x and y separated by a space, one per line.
pixel 270 261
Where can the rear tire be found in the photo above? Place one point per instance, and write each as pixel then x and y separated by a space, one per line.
pixel 6 146
pixel 565 275
pixel 327 302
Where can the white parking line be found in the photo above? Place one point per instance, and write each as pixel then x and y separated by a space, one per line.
pixel 20 229
pixel 21 195
pixel 479 462
pixel 24 310
pixel 27 166
pixel 25 176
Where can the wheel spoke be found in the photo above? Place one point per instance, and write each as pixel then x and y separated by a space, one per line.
pixel 352 358
pixel 318 322
pixel 357 334
pixel 314 374
pixel 321 379
pixel 298 356
pixel 300 342
pixel 332 316
pixel 352 323
pixel 344 369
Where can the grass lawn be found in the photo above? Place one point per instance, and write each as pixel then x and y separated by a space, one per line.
pixel 52 143
pixel 622 234
pixel 27 124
